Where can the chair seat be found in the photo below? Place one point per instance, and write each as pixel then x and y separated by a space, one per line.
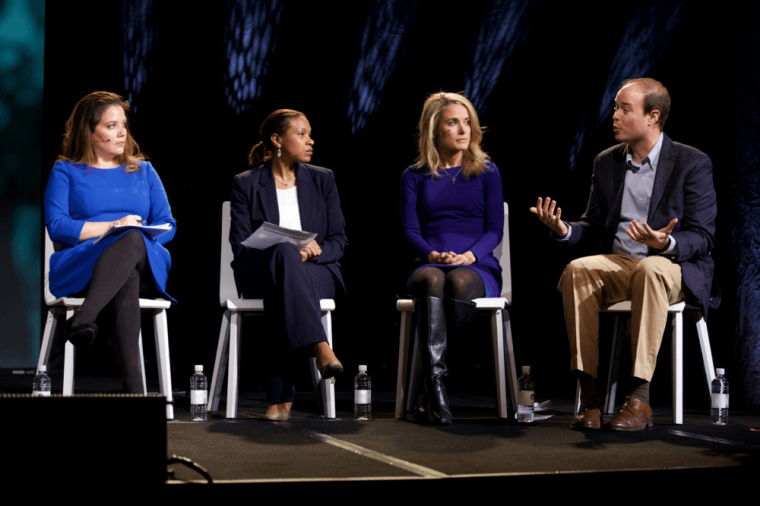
pixel 144 303
pixel 258 304
pixel 488 304
pixel 625 307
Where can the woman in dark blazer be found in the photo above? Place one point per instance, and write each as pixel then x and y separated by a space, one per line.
pixel 284 189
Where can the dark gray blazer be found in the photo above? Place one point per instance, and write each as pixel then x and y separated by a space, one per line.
pixel 683 189
pixel 254 201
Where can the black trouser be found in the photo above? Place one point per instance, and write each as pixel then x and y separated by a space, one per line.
pixel 121 274
pixel 291 290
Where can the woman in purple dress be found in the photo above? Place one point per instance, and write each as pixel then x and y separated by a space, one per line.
pixel 452 215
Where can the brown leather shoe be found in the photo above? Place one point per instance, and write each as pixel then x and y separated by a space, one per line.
pixel 587 419
pixel 634 415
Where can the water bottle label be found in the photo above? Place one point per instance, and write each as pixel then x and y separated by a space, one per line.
pixel 363 397
pixel 198 397
pixel 719 401
pixel 525 398
pixel 41 394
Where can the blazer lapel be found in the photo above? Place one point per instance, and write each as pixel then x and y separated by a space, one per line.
pixel 267 192
pixel 661 176
pixel 618 182
pixel 307 198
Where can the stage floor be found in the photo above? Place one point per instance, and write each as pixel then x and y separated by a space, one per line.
pixel 308 447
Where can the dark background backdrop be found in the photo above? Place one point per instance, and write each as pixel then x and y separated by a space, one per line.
pixel 551 74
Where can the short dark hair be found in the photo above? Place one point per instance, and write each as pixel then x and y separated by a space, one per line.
pixel 656 97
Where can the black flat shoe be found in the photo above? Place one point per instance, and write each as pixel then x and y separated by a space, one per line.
pixel 80 336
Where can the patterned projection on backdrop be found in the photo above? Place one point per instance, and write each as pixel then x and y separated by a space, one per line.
pixel 249 39
pixel 745 215
pixel 140 35
pixel 648 35
pixel 505 26
pixel 383 43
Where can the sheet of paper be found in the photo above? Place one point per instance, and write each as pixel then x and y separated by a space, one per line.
pixel 151 231
pixel 270 234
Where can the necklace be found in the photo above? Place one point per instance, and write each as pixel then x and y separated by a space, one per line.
pixel 454 178
pixel 283 182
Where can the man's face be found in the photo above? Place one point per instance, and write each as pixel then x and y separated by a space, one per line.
pixel 629 122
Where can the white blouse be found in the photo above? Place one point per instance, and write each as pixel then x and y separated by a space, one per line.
pixel 287 202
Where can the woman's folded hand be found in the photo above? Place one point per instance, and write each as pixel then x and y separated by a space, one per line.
pixel 312 250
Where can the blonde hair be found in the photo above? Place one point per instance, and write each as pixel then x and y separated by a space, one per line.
pixel 473 160
pixel 77 141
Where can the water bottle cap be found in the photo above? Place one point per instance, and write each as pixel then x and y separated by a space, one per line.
pixel 42 368
pixel 526 369
pixel 362 368
pixel 720 371
pixel 198 368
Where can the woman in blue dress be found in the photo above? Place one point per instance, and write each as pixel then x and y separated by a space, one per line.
pixel 101 180
pixel 452 215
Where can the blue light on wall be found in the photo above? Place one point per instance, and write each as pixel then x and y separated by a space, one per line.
pixel 648 35
pixel 505 26
pixel 140 35
pixel 249 40
pixel 382 45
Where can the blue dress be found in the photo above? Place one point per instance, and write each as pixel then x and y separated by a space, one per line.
pixel 466 215
pixel 77 193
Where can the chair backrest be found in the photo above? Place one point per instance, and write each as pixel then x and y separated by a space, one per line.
pixel 49 250
pixel 227 288
pixel 502 253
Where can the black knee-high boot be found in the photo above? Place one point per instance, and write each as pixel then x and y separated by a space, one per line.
pixel 431 325
pixel 458 316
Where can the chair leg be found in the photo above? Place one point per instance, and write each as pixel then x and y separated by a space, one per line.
pixel 509 349
pixel 220 363
pixel 328 385
pixel 142 364
pixel 618 338
pixel 497 340
pixel 161 330
pixel 577 398
pixel 69 356
pixel 48 336
pixel 403 362
pixel 414 374
pixel 233 364
pixel 704 344
pixel 677 326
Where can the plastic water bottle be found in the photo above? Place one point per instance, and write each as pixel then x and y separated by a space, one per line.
pixel 526 397
pixel 41 384
pixel 198 395
pixel 362 395
pixel 719 411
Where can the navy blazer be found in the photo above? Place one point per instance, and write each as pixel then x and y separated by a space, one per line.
pixel 254 201
pixel 683 189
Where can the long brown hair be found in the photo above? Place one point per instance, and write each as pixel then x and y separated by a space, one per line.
pixel 77 141
pixel 473 160
pixel 276 123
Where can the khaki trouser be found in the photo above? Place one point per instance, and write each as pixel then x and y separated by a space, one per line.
pixel 651 284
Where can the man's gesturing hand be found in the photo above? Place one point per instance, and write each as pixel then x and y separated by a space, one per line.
pixel 545 211
pixel 655 239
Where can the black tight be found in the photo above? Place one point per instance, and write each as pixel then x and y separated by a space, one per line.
pixel 120 275
pixel 458 283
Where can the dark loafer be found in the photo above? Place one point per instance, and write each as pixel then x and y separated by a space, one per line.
pixel 634 415
pixel 587 419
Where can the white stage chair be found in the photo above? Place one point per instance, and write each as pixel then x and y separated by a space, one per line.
pixel 618 337
pixel 61 309
pixel 501 336
pixel 228 350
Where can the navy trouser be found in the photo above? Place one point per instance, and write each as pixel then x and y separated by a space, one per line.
pixel 291 290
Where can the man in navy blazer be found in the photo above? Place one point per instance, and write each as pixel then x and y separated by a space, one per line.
pixel 652 213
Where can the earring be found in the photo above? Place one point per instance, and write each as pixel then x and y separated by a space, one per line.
pixel 279 153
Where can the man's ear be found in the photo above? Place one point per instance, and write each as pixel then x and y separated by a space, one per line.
pixel 653 117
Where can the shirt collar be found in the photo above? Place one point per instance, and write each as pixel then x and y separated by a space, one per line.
pixel 651 159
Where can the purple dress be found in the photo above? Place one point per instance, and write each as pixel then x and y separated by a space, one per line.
pixel 467 215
